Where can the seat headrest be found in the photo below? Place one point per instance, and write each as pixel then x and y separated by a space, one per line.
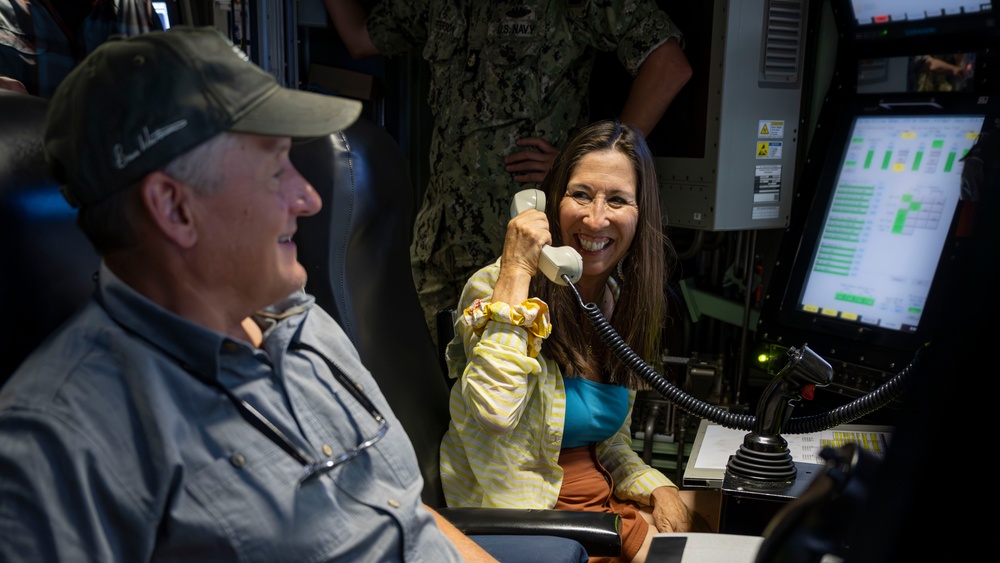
pixel 48 263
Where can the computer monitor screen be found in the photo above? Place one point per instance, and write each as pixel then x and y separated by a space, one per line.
pixel 916 26
pixel 867 270
pixel 892 206
pixel 168 12
pixel 878 12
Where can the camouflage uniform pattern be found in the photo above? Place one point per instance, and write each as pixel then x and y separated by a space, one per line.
pixel 500 71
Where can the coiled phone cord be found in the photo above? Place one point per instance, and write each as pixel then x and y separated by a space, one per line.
pixel 844 414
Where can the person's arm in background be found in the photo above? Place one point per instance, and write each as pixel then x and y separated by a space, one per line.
pixel 941 66
pixel 531 166
pixel 468 549
pixel 661 76
pixel 349 18
pixel 934 64
pixel 14 85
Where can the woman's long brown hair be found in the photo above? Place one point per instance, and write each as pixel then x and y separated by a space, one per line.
pixel 640 312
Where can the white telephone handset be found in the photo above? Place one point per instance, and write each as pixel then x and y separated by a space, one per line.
pixel 555 260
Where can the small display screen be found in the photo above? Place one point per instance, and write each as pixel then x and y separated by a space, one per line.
pixel 888 217
pixel 886 27
pixel 163 11
pixel 877 12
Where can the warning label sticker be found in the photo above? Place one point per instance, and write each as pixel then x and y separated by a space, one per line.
pixel 770 129
pixel 769 149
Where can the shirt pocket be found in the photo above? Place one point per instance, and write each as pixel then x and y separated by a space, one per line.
pixel 509 83
pixel 445 55
pixel 259 508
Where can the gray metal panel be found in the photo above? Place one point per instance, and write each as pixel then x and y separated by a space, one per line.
pixel 687 185
pixel 745 180
pixel 270 45
pixel 883 75
pixel 274 39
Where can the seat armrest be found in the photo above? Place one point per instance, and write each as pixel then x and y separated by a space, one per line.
pixel 598 532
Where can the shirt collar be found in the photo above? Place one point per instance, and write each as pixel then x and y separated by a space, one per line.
pixel 196 347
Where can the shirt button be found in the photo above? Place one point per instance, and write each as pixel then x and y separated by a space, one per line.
pixel 237 460
pixel 327 450
pixel 231 346
pixel 394 503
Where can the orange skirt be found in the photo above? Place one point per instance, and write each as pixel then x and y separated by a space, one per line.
pixel 588 487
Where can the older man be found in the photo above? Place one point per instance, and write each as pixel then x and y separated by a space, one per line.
pixel 200 407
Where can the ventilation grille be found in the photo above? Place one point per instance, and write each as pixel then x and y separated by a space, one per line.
pixel 782 49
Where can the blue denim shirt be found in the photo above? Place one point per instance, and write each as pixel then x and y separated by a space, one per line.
pixel 112 450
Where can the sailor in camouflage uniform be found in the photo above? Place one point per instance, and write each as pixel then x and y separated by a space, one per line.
pixel 505 71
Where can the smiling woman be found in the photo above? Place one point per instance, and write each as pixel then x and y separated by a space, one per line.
pixel 598 217
pixel 608 162
pixel 532 367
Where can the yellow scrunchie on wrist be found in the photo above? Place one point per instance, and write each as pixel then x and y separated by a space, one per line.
pixel 532 315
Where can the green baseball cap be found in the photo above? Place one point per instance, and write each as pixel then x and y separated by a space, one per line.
pixel 134 104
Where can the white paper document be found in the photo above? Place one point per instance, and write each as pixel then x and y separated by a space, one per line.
pixel 719 443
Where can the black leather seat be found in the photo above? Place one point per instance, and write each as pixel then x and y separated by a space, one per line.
pixel 48 264
pixel 356 252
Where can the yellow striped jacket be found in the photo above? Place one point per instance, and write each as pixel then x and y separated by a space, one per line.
pixel 508 406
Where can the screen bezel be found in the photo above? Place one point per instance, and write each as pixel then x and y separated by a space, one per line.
pixel 871 346
pixel 951 33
